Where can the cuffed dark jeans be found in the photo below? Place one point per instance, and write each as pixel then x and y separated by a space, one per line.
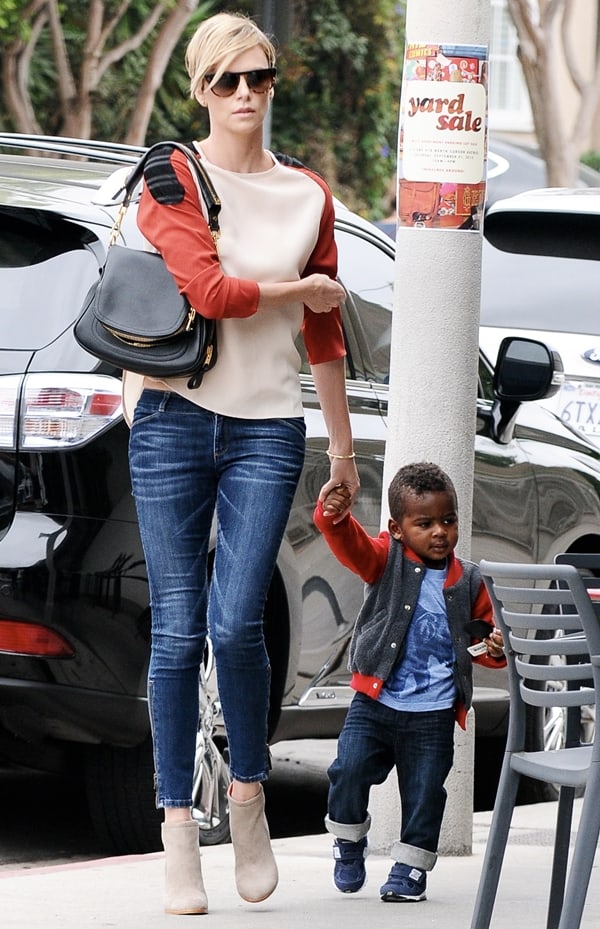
pixel 374 739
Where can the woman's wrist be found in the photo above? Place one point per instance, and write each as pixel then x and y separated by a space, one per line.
pixel 343 457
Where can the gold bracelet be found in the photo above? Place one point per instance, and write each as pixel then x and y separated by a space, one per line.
pixel 342 457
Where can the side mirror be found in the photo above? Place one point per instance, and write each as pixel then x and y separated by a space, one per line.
pixel 526 370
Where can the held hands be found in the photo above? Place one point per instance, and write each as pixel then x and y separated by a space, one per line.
pixel 338 494
pixel 321 294
pixel 336 501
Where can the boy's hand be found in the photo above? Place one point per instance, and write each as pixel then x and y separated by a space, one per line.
pixel 336 500
pixel 495 644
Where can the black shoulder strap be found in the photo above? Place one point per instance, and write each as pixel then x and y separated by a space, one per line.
pixel 213 204
pixel 288 160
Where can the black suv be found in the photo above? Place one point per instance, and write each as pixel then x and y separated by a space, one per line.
pixel 74 614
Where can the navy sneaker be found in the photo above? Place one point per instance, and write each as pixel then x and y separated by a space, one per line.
pixel 405 884
pixel 349 873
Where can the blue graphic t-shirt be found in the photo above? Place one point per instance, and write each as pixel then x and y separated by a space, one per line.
pixel 423 680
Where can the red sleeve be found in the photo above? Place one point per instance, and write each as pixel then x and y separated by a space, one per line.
pixel 353 546
pixel 180 233
pixel 482 609
pixel 322 332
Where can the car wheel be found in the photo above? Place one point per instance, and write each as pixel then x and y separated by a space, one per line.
pixel 120 791
pixel 210 801
pixel 120 794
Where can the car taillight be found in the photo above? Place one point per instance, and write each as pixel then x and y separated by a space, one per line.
pixel 18 638
pixel 57 410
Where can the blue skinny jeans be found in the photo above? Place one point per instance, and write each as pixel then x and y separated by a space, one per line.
pixel 188 464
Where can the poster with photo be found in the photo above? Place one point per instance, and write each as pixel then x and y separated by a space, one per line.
pixel 442 137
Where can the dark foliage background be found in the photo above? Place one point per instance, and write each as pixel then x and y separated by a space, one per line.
pixel 337 93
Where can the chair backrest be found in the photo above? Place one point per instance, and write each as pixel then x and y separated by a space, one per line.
pixel 552 638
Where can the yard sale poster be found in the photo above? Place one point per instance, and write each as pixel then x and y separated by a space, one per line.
pixel 442 137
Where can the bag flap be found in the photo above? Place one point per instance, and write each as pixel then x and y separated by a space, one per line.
pixel 153 309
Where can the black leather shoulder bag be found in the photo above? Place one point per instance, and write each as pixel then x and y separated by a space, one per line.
pixel 134 315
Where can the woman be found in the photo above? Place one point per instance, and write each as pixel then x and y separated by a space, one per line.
pixel 235 445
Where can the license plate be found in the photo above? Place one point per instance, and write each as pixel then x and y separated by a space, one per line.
pixel 578 404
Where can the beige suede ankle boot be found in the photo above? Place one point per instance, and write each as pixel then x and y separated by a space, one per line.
pixel 184 887
pixel 255 869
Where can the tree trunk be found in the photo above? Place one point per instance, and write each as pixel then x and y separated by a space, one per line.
pixel 158 61
pixel 561 144
pixel 74 92
pixel 555 144
pixel 15 73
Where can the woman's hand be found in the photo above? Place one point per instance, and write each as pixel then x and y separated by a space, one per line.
pixel 339 493
pixel 321 294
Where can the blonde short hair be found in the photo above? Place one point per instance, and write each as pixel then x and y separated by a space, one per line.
pixel 218 41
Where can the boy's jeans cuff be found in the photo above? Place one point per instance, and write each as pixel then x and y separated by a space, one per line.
pixel 413 856
pixel 352 832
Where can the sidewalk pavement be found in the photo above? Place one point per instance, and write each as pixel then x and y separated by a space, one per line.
pixel 126 892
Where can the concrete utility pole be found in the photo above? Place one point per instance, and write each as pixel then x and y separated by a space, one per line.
pixel 434 353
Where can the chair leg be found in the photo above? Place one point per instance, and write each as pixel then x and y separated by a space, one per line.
pixel 582 861
pixel 496 845
pixel 562 842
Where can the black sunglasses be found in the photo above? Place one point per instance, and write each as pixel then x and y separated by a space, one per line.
pixel 260 80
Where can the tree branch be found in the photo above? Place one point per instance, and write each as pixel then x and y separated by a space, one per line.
pixel 67 88
pixel 530 35
pixel 570 56
pixel 158 61
pixel 16 61
pixel 134 41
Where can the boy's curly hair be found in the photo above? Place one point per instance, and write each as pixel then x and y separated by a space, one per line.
pixel 417 479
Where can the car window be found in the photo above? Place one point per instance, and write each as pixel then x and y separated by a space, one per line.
pixel 46 269
pixel 485 389
pixel 42 301
pixel 28 237
pixel 367 273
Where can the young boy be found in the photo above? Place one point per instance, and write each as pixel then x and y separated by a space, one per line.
pixel 411 668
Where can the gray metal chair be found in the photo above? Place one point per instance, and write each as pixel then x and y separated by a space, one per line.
pixel 552 642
